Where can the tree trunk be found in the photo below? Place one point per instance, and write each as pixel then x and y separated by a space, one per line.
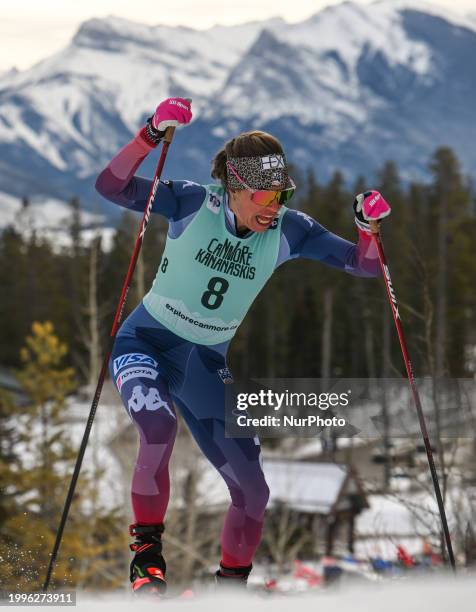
pixel 441 307
pixel 441 289
pixel 75 272
pixel 328 437
pixel 326 344
pixel 369 344
pixel 190 539
pixel 386 361
pixel 94 343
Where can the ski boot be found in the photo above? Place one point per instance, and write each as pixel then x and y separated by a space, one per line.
pixel 147 573
pixel 232 577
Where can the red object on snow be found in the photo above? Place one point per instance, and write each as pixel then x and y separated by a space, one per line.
pixel 309 575
pixel 405 557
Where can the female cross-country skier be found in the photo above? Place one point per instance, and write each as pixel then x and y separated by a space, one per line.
pixel 224 241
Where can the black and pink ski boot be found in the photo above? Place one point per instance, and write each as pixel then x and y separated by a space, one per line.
pixel 147 573
pixel 232 577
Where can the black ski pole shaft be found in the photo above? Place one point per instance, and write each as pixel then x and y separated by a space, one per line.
pixel 167 139
pixel 416 396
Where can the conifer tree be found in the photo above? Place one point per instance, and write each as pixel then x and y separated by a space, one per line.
pixel 11 476
pixel 47 458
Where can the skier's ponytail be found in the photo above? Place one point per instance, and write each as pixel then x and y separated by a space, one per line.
pixel 246 144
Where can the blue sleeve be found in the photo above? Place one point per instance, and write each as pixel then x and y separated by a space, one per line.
pixel 174 200
pixel 303 236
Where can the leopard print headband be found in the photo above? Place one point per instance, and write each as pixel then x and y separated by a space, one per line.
pixel 266 172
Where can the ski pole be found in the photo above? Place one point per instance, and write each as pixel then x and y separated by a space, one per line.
pixel 166 140
pixel 374 226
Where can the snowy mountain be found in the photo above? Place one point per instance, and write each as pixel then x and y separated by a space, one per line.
pixel 347 88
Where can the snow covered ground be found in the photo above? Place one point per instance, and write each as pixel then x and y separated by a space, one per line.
pixel 435 594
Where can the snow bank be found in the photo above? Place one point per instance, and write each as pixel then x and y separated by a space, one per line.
pixel 437 594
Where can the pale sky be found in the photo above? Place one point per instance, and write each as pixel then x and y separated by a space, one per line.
pixel 30 30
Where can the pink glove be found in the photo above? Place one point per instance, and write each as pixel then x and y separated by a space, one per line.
pixel 369 206
pixel 171 112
